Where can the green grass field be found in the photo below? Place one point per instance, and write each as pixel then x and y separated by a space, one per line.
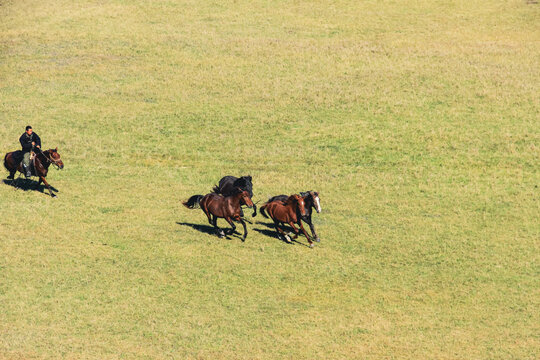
pixel 417 122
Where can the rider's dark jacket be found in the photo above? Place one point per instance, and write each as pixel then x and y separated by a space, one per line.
pixel 26 141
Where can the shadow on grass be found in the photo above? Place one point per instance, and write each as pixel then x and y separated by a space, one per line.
pixel 27 184
pixel 274 234
pixel 207 229
pixel 202 228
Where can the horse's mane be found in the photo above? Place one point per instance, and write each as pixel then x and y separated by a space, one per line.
pixel 235 192
pixel 243 182
pixel 308 196
pixel 291 200
pixel 43 153
pixel 307 193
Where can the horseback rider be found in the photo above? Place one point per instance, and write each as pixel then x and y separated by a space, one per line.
pixel 29 140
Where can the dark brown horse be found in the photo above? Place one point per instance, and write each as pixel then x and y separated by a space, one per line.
pixel 218 206
pixel 228 184
pixel 40 164
pixel 287 212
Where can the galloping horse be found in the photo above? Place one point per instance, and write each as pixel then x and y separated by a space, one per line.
pixel 218 206
pixel 287 212
pixel 228 185
pixel 311 198
pixel 40 168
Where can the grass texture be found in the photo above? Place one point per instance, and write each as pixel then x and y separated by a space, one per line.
pixel 416 121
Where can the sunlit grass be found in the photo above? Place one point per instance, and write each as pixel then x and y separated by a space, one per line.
pixel 416 121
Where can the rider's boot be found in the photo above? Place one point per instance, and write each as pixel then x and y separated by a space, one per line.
pixel 27 171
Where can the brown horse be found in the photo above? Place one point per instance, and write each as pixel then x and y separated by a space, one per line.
pixel 311 199
pixel 40 168
pixel 287 212
pixel 218 206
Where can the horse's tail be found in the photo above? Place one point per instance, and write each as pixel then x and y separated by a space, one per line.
pixel 193 202
pixel 216 189
pixel 262 208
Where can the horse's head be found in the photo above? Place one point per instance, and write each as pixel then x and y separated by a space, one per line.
pixel 245 183
pixel 246 199
pixel 312 199
pixel 299 200
pixel 54 158
pixel 316 202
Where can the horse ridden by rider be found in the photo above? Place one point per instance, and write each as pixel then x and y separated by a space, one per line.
pixel 38 165
pixel 29 141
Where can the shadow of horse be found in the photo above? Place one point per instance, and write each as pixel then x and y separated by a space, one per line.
pixel 274 234
pixel 27 184
pixel 207 229
pixel 202 228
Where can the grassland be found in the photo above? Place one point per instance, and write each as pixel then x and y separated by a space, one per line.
pixel 417 121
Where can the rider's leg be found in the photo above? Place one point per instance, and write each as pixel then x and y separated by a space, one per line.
pixel 26 164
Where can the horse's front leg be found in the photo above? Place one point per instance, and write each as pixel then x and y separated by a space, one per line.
pixel 296 231
pixel 312 227
pixel 245 227
pixel 42 178
pixel 254 211
pixel 305 233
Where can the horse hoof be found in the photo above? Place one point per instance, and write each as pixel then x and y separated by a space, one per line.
pixel 312 245
pixel 317 240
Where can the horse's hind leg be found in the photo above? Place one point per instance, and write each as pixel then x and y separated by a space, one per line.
pixel 209 218
pixel 219 232
pixel 230 231
pixel 280 231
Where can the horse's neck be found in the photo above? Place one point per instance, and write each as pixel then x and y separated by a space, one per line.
pixel 291 201
pixel 235 199
pixel 309 203
pixel 43 159
pixel 290 204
